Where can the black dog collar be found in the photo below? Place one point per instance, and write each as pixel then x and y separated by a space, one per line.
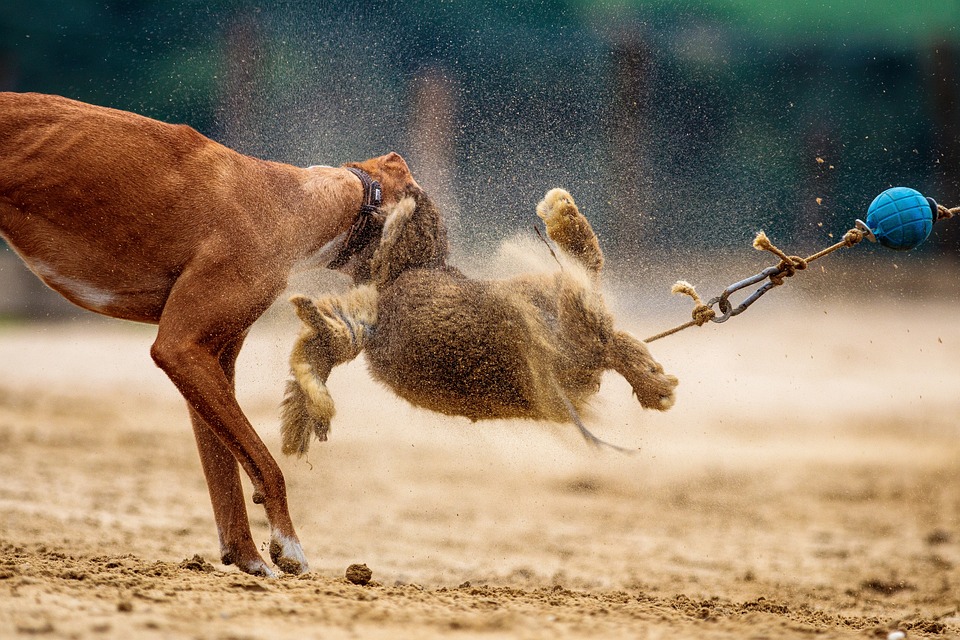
pixel 366 225
pixel 372 193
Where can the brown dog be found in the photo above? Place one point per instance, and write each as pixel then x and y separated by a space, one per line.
pixel 532 346
pixel 137 219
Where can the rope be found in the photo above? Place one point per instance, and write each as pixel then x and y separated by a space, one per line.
pixel 943 213
pixel 702 313
pixel 789 265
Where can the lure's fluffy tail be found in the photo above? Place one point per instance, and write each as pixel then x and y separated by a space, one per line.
pixel 335 331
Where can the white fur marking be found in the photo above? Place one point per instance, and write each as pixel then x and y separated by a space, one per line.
pixel 322 256
pixel 259 567
pixel 87 294
pixel 290 549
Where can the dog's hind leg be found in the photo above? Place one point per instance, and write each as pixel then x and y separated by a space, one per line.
pixel 335 331
pixel 630 358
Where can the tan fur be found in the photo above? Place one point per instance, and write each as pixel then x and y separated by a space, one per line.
pixel 138 219
pixel 533 346
pixel 571 230
pixel 335 331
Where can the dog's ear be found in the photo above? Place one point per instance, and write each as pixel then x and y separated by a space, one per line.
pixel 393 161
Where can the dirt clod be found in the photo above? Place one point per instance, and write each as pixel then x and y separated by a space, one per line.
pixel 197 563
pixel 359 574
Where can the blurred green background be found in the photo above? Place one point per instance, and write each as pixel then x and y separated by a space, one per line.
pixel 675 124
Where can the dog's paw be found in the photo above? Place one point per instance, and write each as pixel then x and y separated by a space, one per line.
pixel 287 554
pixel 251 563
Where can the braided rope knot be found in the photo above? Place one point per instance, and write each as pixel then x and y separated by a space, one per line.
pixel 853 236
pixel 788 266
pixel 945 213
pixel 701 314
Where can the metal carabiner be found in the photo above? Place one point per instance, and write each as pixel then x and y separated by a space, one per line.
pixel 727 310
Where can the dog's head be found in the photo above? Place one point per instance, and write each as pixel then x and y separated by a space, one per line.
pixel 393 174
pixel 395 182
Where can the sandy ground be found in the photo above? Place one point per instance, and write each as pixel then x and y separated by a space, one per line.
pixel 807 483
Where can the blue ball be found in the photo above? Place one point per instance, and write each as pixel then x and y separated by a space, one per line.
pixel 901 218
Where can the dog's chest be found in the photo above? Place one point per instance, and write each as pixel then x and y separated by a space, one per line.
pixel 321 257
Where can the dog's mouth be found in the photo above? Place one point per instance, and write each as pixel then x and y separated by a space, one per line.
pixel 355 256
pixel 362 239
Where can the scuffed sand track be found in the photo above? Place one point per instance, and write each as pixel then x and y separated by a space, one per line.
pixel 767 503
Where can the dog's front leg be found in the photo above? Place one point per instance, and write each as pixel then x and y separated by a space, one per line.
pixel 203 322
pixel 226 494
pixel 223 481
pixel 630 358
